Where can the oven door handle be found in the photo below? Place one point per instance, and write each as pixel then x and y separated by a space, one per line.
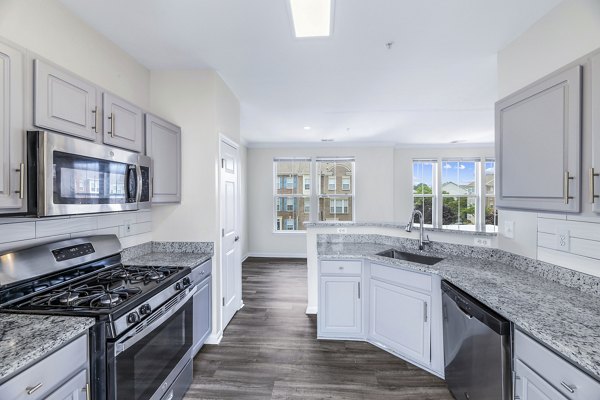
pixel 134 337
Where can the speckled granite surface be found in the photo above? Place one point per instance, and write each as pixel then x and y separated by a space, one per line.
pixel 25 338
pixel 325 224
pixel 584 282
pixel 564 318
pixel 175 254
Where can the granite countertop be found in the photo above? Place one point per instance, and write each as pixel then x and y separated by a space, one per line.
pixel 391 225
pixel 565 319
pixel 156 258
pixel 26 338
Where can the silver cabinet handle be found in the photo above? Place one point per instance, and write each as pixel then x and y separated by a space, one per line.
pixel 32 389
pixel 425 312
pixel 570 388
pixel 95 112
pixel 21 172
pixel 593 195
pixel 86 389
pixel 359 290
pixel 112 124
pixel 566 187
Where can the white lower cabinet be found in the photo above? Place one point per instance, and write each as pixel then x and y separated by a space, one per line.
pixel 399 320
pixel 75 389
pixel 397 309
pixel 62 375
pixel 340 310
pixel 531 386
pixel 542 374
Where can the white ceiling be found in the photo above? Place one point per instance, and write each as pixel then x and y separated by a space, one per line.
pixel 435 85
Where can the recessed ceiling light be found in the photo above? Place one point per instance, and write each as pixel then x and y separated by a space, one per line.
pixel 326 140
pixel 311 18
pixel 307 128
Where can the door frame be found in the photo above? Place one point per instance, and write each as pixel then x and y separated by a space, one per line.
pixel 226 140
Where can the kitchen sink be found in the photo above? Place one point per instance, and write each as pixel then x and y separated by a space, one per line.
pixel 416 258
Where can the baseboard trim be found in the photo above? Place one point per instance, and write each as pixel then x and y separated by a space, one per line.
pixel 312 309
pixel 276 255
pixel 214 338
pixel 244 257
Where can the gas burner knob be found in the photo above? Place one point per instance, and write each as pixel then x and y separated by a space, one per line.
pixel 145 309
pixel 178 286
pixel 186 282
pixel 133 317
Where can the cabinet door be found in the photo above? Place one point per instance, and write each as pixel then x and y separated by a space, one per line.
pixel 340 307
pixel 538 144
pixel 63 102
pixel 202 315
pixel 122 123
pixel 12 133
pixel 75 389
pixel 593 171
pixel 530 386
pixel 399 320
pixel 163 145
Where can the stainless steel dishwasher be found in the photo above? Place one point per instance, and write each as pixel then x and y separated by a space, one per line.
pixel 477 355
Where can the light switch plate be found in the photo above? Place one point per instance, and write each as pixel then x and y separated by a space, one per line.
pixel 509 229
pixel 563 239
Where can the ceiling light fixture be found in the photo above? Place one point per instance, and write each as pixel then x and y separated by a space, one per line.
pixel 311 18
pixel 326 140
pixel 307 128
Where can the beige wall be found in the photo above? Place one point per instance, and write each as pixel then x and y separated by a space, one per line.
pixel 202 105
pixel 383 184
pixel 47 28
pixel 569 31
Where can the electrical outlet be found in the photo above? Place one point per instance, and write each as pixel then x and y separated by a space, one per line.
pixel 342 230
pixel 509 229
pixel 127 228
pixel 483 241
pixel 563 239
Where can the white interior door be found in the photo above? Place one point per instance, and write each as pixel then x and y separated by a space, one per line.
pixel 231 268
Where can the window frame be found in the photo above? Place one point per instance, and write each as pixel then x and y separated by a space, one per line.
pixel 434 190
pixel 479 195
pixel 311 196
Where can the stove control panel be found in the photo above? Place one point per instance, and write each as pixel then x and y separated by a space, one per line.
pixel 67 253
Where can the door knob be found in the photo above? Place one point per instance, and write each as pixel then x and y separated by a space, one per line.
pixel 237 238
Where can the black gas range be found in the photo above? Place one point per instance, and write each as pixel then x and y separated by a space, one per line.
pixel 140 346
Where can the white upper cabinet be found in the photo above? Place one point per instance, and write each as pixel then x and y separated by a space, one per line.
pixel 163 145
pixel 538 145
pixel 64 102
pixel 593 170
pixel 11 129
pixel 122 123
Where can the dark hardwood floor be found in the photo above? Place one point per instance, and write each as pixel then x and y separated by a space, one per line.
pixel 270 351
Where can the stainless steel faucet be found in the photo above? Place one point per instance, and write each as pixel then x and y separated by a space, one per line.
pixel 409 227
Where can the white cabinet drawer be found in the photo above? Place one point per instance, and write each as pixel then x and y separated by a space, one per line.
pixel 555 370
pixel 401 276
pixel 47 373
pixel 341 267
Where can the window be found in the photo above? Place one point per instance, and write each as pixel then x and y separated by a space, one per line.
pixel 338 206
pixel 424 189
pixel 335 204
pixel 345 183
pixel 459 194
pixel 331 184
pixel 293 191
pixel 489 183
pixel 456 193
pixel 289 197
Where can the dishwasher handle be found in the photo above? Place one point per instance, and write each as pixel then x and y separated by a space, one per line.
pixel 475 309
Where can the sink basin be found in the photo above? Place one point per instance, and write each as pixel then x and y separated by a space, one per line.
pixel 416 258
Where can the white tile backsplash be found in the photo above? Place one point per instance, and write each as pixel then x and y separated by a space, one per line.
pixel 581 253
pixel 132 228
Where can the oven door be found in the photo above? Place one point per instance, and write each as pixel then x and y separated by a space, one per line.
pixel 146 361
pixel 77 177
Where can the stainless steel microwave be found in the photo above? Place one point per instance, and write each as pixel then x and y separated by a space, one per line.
pixel 72 176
